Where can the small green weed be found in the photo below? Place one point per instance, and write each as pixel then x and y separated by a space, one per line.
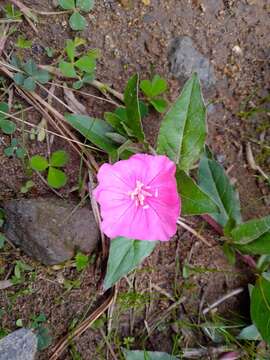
pixel 19 272
pixel 27 186
pixel 15 149
pixel 80 67
pixel 76 20
pixel 12 13
pixel 56 178
pixel 152 90
pixel 23 43
pixel 43 335
pixel 7 127
pixel 29 74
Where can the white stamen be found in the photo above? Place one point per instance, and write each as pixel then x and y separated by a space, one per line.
pixel 146 207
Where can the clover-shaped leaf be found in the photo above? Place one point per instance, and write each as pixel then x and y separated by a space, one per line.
pixel 28 74
pixel 8 127
pixel 153 89
pixel 56 178
pixel 15 150
pixel 77 22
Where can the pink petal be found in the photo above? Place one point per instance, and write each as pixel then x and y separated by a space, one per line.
pixel 154 218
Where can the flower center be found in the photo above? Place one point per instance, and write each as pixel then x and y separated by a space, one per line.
pixel 140 193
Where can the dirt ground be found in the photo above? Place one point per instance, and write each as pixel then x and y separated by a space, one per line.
pixel 134 37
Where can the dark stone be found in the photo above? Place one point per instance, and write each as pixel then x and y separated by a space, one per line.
pixel 184 59
pixel 49 230
pixel 19 345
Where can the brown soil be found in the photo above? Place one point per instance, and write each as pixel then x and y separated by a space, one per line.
pixel 137 38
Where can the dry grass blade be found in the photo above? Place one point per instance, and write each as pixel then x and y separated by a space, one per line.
pixel 193 232
pixel 3 37
pixel 62 344
pixel 252 163
pixel 73 103
pixel 4 284
pixel 222 299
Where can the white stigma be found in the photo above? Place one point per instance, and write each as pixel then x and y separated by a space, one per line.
pixel 139 194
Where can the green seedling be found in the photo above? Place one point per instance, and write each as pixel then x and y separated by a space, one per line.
pixel 23 43
pixel 42 333
pixel 19 272
pixel 49 51
pixel 27 186
pixel 152 90
pixel 12 13
pixel 56 178
pixel 82 261
pixel 78 67
pixel 15 150
pixel 8 127
pixel 29 74
pixel 76 20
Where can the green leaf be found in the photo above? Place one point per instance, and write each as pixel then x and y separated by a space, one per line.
pixel 23 43
pixel 38 163
pixel 30 67
pixel 260 246
pixel 77 84
pixel 19 79
pixel 42 76
pixel 67 4
pixel 147 355
pixel 59 158
pixel 56 178
pixel 155 87
pixel 2 240
pixel 29 84
pixel 260 308
pixel 159 104
pixel 159 86
pixel 20 153
pixel 194 200
pixel 250 333
pixel 82 261
pixel 8 127
pixel 251 230
pixel 9 151
pixel 3 109
pixel 92 129
pixel 125 255
pixel 86 63
pixel 85 5
pixel 67 69
pixel 183 130
pixel 131 100
pixel 229 252
pixel 12 13
pixel 43 337
pixel 214 182
pixel 70 50
pixel 77 22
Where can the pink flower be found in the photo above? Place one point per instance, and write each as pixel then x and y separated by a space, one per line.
pixel 138 198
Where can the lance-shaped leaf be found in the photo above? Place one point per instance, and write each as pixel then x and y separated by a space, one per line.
pixel 125 255
pixel 147 355
pixel 93 130
pixel 183 130
pixel 252 230
pixel 133 120
pixel 214 181
pixel 260 246
pixel 260 308
pixel 193 200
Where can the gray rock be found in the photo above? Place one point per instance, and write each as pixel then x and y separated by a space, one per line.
pixel 184 59
pixel 49 230
pixel 19 345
